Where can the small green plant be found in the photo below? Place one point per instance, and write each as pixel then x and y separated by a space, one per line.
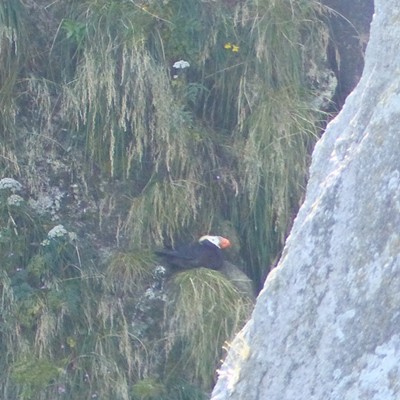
pixel 148 389
pixel 74 30
pixel 180 389
pixel 34 375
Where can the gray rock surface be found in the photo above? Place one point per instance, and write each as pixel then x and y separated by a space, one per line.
pixel 327 323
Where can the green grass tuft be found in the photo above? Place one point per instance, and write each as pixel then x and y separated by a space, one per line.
pixel 129 272
pixel 204 312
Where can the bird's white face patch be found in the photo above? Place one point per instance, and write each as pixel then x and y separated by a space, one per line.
pixel 215 240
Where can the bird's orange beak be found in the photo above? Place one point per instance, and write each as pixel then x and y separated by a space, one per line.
pixel 224 243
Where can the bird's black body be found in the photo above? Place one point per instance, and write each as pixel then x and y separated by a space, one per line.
pixel 204 253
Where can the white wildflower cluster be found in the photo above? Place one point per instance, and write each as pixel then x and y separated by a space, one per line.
pixel 180 66
pixel 48 203
pixel 15 200
pixel 58 232
pixel 10 183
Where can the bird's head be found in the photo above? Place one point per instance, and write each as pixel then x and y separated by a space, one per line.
pixel 218 241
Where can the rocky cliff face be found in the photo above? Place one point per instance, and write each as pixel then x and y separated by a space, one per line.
pixel 326 325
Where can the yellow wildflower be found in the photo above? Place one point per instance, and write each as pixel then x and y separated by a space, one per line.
pixel 227 45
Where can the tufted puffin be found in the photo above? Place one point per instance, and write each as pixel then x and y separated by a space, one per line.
pixel 207 252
